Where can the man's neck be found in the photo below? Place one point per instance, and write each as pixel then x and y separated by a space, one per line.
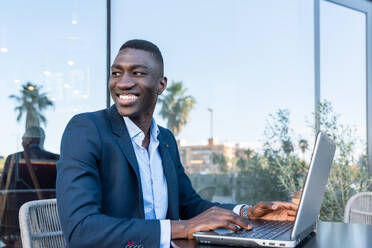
pixel 144 124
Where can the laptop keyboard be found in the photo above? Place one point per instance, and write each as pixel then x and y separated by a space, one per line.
pixel 264 230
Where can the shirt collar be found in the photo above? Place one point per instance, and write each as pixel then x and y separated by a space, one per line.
pixel 134 130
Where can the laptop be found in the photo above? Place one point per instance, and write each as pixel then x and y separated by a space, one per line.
pixel 282 233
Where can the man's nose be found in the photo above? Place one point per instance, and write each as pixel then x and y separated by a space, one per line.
pixel 126 82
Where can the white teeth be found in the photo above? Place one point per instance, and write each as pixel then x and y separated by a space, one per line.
pixel 128 97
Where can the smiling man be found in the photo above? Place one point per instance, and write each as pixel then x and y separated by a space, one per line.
pixel 120 179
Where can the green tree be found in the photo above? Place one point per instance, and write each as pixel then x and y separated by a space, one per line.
pixel 347 176
pixel 289 170
pixel 280 166
pixel 344 180
pixel 176 106
pixel 287 147
pixel 244 161
pixel 257 181
pixel 32 103
pixel 221 161
pixel 278 134
pixel 292 172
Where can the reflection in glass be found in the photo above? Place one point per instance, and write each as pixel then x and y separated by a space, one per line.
pixel 58 50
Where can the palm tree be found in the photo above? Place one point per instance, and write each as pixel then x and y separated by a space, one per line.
pixel 249 153
pixel 221 161
pixel 287 146
pixel 176 106
pixel 32 103
pixel 303 144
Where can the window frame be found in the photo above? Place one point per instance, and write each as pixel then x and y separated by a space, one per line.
pixel 108 51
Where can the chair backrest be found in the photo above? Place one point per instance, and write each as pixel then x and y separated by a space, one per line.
pixel 40 226
pixel 359 209
pixel 10 203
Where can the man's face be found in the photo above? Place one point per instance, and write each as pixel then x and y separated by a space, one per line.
pixel 135 83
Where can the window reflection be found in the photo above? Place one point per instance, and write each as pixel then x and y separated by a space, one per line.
pixel 57 50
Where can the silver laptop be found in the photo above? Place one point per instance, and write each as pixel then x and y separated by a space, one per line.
pixel 281 233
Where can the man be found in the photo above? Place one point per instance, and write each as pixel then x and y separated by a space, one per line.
pixel 120 179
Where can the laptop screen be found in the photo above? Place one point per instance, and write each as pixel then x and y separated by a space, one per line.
pixel 314 187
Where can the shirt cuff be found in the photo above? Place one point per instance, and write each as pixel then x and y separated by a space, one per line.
pixel 165 233
pixel 237 208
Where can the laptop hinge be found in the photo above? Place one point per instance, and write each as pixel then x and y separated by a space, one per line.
pixel 304 233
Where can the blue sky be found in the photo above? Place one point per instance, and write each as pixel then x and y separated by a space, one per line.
pixel 244 59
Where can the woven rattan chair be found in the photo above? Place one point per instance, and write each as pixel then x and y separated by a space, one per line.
pixel 10 203
pixel 359 209
pixel 40 226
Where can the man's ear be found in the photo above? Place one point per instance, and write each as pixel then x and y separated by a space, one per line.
pixel 162 85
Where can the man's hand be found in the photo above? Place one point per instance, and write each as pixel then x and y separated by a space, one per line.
pixel 210 219
pixel 281 211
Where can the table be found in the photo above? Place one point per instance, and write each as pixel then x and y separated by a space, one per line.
pixel 328 235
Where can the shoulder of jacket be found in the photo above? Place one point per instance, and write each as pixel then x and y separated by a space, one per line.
pixel 91 115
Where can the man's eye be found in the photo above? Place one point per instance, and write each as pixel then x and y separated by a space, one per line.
pixel 139 73
pixel 115 73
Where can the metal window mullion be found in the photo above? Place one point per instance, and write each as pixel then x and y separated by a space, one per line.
pixel 316 62
pixel 369 87
pixel 108 50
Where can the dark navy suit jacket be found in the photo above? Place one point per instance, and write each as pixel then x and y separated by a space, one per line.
pixel 99 193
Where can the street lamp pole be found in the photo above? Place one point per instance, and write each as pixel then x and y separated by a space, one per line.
pixel 211 111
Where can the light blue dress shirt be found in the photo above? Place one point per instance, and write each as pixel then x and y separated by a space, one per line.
pixel 153 182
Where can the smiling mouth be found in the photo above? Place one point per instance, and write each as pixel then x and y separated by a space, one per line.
pixel 127 99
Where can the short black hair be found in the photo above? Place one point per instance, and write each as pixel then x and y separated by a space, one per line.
pixel 145 46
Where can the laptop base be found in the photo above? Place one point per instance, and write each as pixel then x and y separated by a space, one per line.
pixel 243 242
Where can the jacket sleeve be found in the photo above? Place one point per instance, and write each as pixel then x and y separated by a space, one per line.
pixel 79 194
pixel 190 203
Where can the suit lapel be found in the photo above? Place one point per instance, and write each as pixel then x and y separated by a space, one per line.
pixel 120 130
pixel 171 177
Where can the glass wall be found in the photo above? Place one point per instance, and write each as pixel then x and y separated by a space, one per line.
pixel 248 66
pixel 343 110
pixel 53 62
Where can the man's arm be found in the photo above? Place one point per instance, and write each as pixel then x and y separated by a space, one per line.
pixel 79 194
